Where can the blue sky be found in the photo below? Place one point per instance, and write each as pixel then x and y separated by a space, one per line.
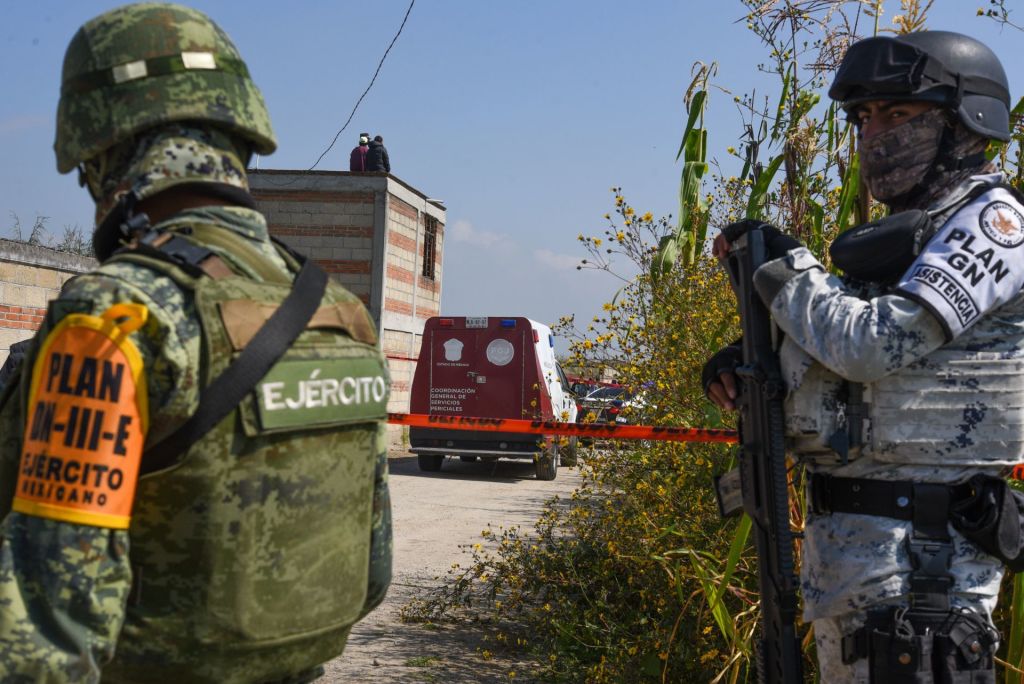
pixel 519 115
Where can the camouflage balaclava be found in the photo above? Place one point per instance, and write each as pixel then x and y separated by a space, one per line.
pixel 903 167
pixel 163 158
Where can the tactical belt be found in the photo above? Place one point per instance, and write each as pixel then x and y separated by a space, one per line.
pixel 885 498
pixel 926 505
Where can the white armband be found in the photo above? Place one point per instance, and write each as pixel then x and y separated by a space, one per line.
pixel 971 266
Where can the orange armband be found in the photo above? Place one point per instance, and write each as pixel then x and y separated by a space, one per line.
pixel 86 421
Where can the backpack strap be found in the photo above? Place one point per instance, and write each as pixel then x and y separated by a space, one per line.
pixel 228 389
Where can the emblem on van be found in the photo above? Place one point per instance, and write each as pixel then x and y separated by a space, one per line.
pixel 453 350
pixel 500 352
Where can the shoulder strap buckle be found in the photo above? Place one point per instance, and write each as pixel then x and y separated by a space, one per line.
pixel 190 256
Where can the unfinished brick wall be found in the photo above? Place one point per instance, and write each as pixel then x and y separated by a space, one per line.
pixel 333 228
pixel 30 276
pixel 410 298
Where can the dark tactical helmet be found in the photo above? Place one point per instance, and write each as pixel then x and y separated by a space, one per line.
pixel 947 68
pixel 139 66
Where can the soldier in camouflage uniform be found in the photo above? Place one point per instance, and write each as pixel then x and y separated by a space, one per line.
pixel 246 555
pixel 905 387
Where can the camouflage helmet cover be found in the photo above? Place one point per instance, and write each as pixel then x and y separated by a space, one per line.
pixel 142 65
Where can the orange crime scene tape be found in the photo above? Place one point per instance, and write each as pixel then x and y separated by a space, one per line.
pixel 605 430
pixel 543 427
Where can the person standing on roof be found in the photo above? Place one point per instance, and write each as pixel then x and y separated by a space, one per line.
pixel 377 156
pixel 357 159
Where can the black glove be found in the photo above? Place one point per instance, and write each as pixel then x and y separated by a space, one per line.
pixel 726 359
pixel 775 241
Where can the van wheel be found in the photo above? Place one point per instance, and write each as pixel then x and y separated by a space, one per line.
pixel 467 459
pixel 547 464
pixel 571 452
pixel 430 463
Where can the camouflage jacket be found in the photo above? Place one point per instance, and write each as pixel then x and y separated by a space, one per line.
pixel 64 586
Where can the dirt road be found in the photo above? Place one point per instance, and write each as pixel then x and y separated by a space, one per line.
pixel 434 515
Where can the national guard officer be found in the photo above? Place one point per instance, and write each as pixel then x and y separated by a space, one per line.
pixel 905 384
pixel 192 463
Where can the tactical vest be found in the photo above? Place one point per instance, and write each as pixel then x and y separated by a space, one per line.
pixel 962 404
pixel 254 552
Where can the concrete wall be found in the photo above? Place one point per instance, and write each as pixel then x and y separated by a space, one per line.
pixel 30 276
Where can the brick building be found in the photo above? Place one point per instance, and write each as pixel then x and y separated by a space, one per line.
pixel 380 237
pixel 374 233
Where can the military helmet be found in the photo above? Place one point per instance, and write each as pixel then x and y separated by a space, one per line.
pixel 139 66
pixel 947 68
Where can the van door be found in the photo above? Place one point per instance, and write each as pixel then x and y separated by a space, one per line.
pixel 501 370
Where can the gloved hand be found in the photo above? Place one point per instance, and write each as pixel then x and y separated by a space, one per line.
pixel 776 242
pixel 718 376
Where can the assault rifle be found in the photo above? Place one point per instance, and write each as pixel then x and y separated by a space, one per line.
pixel 763 489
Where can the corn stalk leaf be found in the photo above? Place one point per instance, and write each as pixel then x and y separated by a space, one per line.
pixel 816 239
pixel 783 97
pixel 739 542
pixel 848 195
pixel 1015 649
pixel 666 256
pixel 755 204
pixel 718 610
pixel 696 110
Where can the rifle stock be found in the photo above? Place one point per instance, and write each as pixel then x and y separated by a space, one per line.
pixel 762 470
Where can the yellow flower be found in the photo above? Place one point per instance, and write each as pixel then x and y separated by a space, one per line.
pixel 647 217
pixel 620 236
pixel 629 211
pixel 730 150
pixel 607 306
pixel 597 241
